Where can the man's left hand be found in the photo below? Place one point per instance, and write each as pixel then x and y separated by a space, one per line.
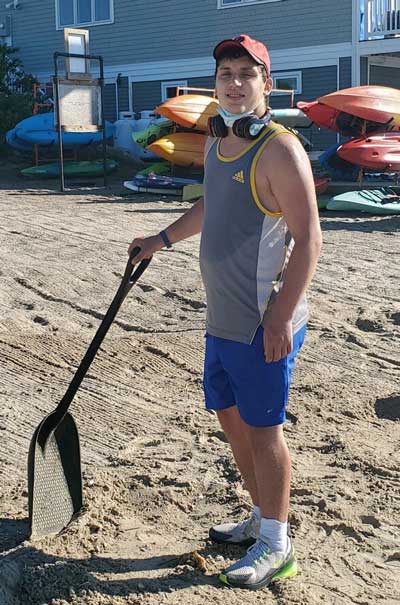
pixel 278 337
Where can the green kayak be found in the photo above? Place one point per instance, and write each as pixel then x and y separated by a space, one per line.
pixel 159 168
pixel 71 169
pixel 153 133
pixel 373 201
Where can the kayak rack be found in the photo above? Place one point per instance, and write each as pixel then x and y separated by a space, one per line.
pixel 79 104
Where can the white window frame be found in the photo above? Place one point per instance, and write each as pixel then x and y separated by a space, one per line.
pixel 288 74
pixel 168 84
pixel 243 3
pixel 90 24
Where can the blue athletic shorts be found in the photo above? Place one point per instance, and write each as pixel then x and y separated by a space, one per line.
pixel 237 374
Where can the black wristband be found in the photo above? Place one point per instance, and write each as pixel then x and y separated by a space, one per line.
pixel 165 239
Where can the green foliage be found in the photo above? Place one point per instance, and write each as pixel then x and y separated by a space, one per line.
pixel 16 90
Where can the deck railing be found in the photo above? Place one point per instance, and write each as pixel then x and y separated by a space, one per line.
pixel 381 18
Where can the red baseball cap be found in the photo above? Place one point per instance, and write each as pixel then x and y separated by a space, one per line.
pixel 257 50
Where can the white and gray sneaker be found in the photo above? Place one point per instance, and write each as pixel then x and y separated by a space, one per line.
pixel 260 566
pixel 243 533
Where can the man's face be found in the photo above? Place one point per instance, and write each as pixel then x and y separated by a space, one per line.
pixel 240 86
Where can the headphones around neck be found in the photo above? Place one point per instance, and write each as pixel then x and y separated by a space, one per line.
pixel 245 128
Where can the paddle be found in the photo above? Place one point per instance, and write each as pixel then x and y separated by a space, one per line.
pixel 54 468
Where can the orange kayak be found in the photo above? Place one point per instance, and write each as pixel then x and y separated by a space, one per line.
pixel 190 111
pixel 373 103
pixel 379 152
pixel 181 148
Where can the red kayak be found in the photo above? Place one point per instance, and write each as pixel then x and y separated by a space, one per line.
pixel 321 115
pixel 339 121
pixel 321 184
pixel 373 103
pixel 379 151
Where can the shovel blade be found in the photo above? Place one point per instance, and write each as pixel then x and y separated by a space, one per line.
pixel 54 479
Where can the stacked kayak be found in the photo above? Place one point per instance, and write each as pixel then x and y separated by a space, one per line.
pixel 379 151
pixel 189 111
pixel 374 201
pixel 156 184
pixel 192 112
pixel 379 104
pixel 153 132
pixel 181 148
pixel 371 116
pixel 40 130
pixel 355 111
pixel 18 144
pixel 71 169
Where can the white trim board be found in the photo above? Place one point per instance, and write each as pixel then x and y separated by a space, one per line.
pixel 379 47
pixel 288 59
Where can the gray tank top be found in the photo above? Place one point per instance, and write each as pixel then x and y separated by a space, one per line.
pixel 244 248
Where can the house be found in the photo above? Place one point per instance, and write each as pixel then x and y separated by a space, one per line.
pixel 152 46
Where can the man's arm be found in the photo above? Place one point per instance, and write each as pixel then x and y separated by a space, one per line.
pixel 292 186
pixel 187 225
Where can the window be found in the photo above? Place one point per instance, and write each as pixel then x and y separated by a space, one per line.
pixel 288 80
pixel 84 12
pixel 168 89
pixel 232 3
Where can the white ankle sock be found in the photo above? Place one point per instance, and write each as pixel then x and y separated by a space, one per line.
pixel 275 533
pixel 256 512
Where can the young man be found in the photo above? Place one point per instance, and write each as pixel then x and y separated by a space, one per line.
pixel 259 248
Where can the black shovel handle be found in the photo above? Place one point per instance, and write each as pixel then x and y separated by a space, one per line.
pixel 130 277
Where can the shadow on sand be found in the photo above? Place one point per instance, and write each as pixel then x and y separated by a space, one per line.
pixel 47 577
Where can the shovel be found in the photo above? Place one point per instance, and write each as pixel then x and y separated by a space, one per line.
pixel 54 460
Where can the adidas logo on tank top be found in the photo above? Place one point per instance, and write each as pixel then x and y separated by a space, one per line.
pixel 239 177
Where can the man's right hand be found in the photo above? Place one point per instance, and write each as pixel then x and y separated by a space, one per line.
pixel 148 246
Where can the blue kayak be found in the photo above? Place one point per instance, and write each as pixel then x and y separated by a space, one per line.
pixel 17 143
pixel 40 130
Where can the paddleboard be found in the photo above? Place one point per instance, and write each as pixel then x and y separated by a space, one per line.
pixel 374 201
pixel 181 148
pixel 163 185
pixel 39 129
pixel 378 152
pixel 71 169
pixel 153 132
pixel 375 103
pixel 192 192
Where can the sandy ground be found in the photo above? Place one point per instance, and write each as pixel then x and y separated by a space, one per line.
pixel 157 469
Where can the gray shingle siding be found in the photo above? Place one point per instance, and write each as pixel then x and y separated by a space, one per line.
pixel 123 94
pixel 385 76
pixel 161 30
pixel 364 71
pixel 110 104
pixel 344 72
pixel 147 95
